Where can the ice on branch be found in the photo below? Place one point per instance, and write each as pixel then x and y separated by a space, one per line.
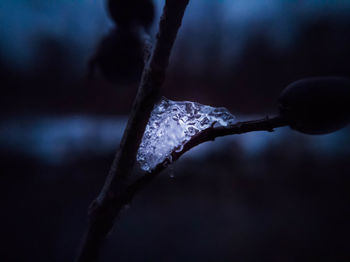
pixel 172 124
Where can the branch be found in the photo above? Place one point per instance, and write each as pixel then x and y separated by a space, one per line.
pixel 107 206
pixel 265 124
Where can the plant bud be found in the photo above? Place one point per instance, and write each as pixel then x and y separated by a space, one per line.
pixel 316 105
pixel 131 12
pixel 120 57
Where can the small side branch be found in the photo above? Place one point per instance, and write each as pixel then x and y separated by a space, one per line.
pixel 265 124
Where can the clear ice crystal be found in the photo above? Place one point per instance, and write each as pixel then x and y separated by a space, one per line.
pixel 171 126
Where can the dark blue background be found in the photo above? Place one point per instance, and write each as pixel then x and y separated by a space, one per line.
pixel 277 196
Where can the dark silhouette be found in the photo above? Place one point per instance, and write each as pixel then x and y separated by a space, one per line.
pixel 132 13
pixel 119 57
pixel 317 105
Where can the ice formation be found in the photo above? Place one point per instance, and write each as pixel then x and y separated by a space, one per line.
pixel 172 124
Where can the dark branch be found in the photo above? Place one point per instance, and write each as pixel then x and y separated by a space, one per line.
pixel 107 206
pixel 266 124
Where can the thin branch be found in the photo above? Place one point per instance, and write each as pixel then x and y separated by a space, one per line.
pixel 265 124
pixel 107 206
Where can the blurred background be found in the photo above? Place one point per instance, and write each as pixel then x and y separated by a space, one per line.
pixel 261 196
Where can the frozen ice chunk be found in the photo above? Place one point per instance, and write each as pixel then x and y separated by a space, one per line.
pixel 172 124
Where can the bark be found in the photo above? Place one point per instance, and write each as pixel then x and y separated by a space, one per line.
pixel 265 124
pixel 108 204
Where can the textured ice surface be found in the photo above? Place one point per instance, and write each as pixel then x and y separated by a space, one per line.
pixel 172 124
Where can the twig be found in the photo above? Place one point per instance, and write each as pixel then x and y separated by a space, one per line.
pixel 265 124
pixel 107 206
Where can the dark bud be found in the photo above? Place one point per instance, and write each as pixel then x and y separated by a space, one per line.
pixel 316 105
pixel 132 12
pixel 119 57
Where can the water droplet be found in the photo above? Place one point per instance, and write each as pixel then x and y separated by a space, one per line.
pixel 171 171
